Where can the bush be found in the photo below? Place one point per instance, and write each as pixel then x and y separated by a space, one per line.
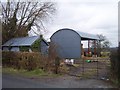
pixel 115 66
pixel 26 60
pixel 105 54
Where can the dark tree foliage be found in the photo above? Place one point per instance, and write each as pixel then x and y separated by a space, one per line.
pixel 115 65
pixel 19 17
pixel 119 64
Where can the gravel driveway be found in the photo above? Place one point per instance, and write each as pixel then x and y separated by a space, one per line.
pixel 12 81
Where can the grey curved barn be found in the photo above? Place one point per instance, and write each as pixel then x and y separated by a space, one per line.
pixel 68 42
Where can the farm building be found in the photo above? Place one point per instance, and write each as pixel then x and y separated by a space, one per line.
pixel 33 43
pixel 68 42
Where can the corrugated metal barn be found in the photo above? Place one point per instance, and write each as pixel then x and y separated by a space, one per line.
pixel 15 44
pixel 68 42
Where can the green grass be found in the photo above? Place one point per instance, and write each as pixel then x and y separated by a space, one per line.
pixel 33 73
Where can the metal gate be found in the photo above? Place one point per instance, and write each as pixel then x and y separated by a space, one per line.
pixel 91 67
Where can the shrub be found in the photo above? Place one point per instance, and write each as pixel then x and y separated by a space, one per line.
pixel 105 54
pixel 25 60
pixel 54 57
pixel 32 60
pixel 115 66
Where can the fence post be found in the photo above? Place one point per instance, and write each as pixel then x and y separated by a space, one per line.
pixel 83 67
pixel 97 69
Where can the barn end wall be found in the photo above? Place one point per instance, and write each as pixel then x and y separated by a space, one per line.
pixel 68 43
pixel 44 48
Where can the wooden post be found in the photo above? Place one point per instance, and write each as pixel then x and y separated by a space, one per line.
pixel 41 37
pixel 95 48
pixel 83 67
pixel 97 69
pixel 82 50
pixel 88 46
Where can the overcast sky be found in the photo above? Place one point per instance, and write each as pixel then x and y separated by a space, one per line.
pixel 91 16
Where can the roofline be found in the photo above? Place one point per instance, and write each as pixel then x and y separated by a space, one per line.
pixel 45 41
pixel 65 29
pixel 35 40
pixel 16 46
pixel 73 31
pixel 25 45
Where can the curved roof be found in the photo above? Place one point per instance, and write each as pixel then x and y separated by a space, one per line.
pixel 84 36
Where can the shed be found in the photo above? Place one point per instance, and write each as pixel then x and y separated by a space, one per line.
pixel 16 43
pixel 68 42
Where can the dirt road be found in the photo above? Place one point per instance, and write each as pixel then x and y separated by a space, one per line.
pixel 12 81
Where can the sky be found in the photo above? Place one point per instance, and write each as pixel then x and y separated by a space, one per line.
pixel 90 16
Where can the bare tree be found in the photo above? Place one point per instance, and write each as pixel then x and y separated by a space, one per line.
pixel 19 17
pixel 103 44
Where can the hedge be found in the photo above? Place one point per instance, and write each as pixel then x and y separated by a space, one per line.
pixel 26 60
pixel 115 66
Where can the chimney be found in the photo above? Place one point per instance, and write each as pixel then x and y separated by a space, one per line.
pixel 41 36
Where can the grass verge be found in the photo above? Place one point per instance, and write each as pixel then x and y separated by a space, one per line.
pixel 34 73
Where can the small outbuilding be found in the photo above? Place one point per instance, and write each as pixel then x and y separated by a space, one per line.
pixel 68 42
pixel 33 43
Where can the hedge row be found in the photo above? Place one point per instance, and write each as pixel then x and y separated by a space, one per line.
pixel 115 66
pixel 26 60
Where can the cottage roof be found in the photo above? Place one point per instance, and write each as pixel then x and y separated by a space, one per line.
pixel 22 41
